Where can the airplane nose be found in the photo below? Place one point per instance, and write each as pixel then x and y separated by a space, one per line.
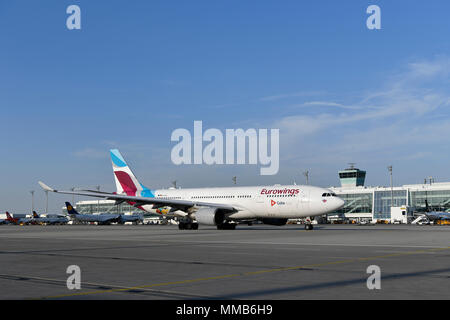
pixel 339 203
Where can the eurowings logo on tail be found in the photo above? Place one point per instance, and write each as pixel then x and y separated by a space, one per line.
pixel 126 181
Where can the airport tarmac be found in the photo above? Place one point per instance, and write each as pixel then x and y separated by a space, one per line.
pixel 251 262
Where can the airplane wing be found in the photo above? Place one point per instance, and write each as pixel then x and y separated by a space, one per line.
pixel 183 205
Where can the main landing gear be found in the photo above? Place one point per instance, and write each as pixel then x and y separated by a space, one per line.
pixel 188 225
pixel 308 224
pixel 226 226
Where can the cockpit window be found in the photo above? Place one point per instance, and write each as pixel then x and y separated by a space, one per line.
pixel 328 195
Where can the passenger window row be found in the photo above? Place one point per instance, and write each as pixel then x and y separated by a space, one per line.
pixel 212 197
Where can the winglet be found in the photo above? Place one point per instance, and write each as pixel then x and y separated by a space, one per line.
pixel 46 187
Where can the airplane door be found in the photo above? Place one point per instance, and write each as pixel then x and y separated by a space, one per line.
pixel 303 201
pixel 259 199
pixel 260 203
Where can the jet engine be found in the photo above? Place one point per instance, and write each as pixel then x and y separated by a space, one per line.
pixel 209 216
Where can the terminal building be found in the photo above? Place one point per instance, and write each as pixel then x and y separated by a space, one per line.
pixel 374 203
pixel 104 206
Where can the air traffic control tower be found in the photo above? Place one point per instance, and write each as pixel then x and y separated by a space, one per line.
pixel 352 177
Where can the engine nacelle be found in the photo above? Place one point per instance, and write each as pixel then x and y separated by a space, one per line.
pixel 274 221
pixel 209 216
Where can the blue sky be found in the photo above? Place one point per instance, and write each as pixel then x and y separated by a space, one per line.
pixel 136 71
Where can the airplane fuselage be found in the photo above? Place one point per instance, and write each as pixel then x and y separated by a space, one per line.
pixel 290 201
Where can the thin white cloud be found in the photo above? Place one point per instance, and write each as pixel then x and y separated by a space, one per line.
pixel 291 95
pixel 328 104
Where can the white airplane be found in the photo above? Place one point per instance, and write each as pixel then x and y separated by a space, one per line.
pixel 49 219
pixel 220 207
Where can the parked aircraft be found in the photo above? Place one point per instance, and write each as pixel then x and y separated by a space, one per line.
pixel 133 218
pixel 4 221
pixel 435 215
pixel 99 218
pixel 49 220
pixel 17 221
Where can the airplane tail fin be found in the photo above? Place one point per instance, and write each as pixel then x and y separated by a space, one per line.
pixel 70 209
pixel 8 215
pixel 427 207
pixel 35 215
pixel 126 181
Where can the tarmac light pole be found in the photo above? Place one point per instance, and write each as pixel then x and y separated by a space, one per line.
pixel 32 200
pixel 98 201
pixel 392 189
pixel 46 202
pixel 306 174
pixel 73 196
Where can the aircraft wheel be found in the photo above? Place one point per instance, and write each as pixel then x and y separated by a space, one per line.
pixel 188 226
pixel 308 226
pixel 226 226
